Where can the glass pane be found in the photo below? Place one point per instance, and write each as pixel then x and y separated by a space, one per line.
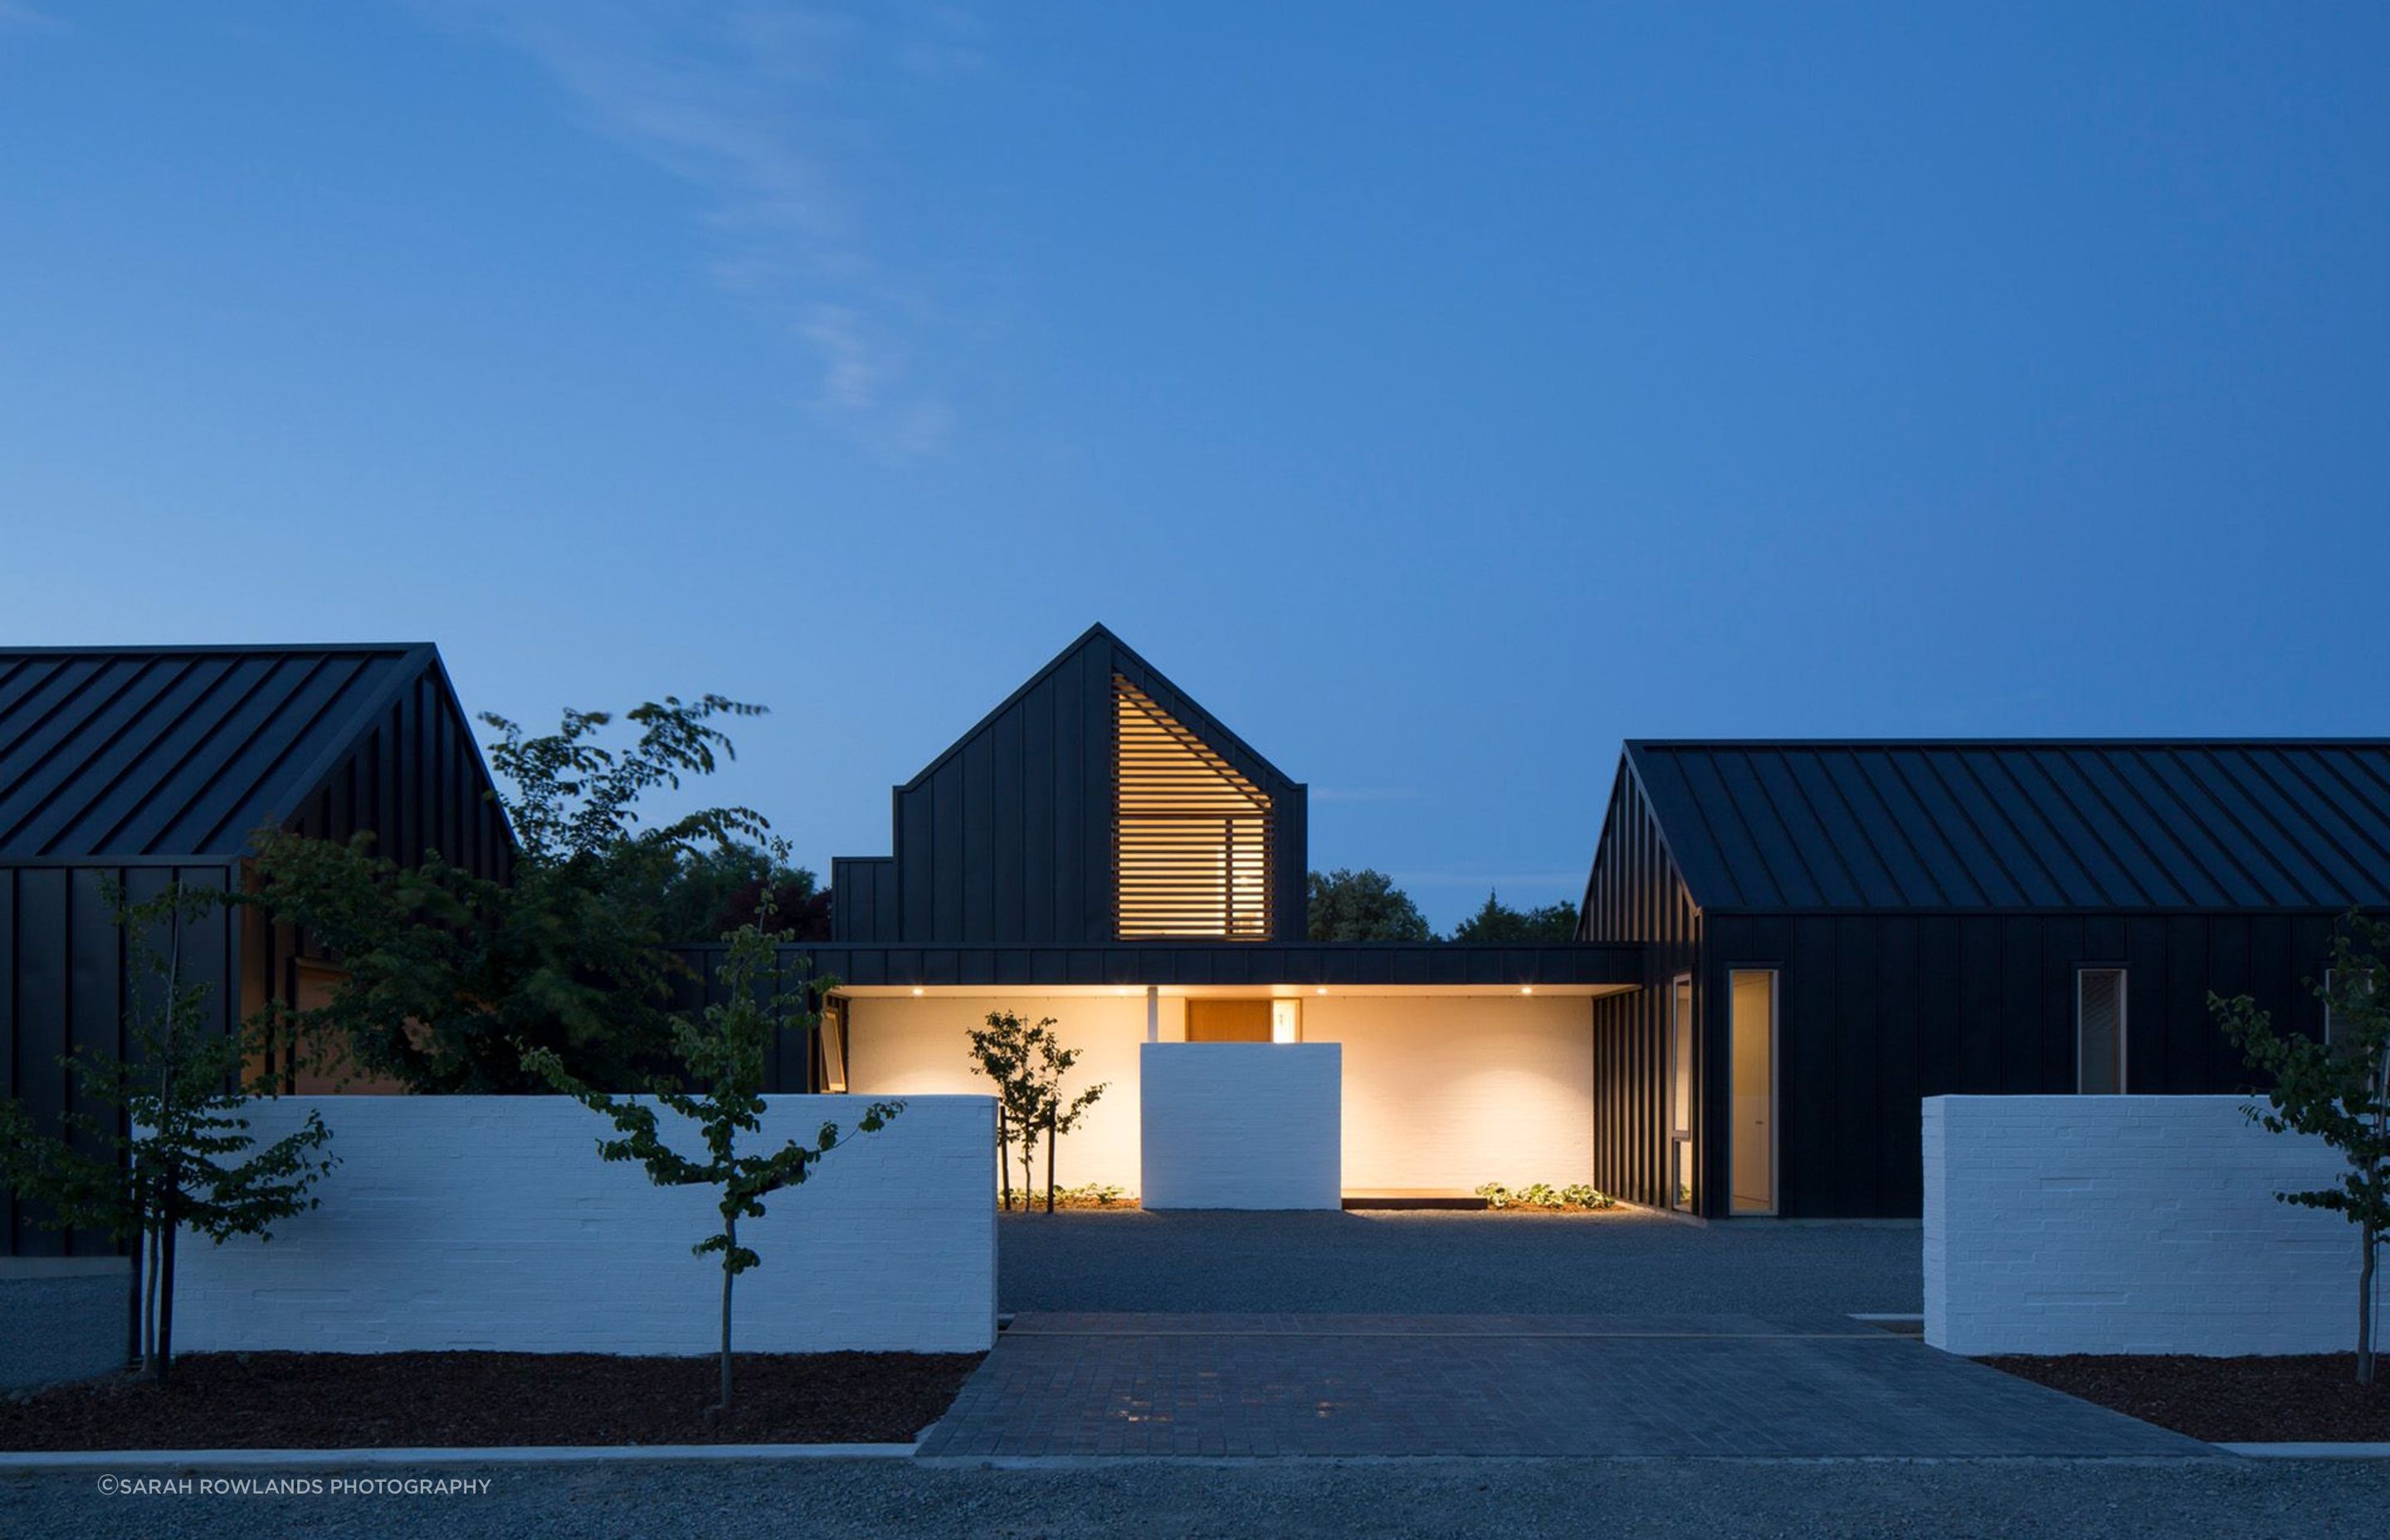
pixel 1681 1055
pixel 2099 1030
pixel 1753 1137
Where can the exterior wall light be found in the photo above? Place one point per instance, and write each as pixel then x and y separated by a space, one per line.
pixel 916 991
pixel 1526 989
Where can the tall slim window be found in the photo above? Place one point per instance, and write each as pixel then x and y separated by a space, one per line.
pixel 2099 1031
pixel 2335 1018
pixel 1680 1093
pixel 1192 833
pixel 1751 1143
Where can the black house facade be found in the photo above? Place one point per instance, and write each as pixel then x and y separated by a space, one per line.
pixel 1834 931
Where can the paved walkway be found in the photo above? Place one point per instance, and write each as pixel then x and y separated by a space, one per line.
pixel 1264 1385
pixel 1618 1262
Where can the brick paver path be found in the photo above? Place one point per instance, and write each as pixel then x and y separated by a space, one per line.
pixel 1229 1385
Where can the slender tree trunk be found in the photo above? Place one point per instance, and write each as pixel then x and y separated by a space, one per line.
pixel 1051 1142
pixel 1004 1154
pixel 166 1289
pixel 149 1249
pixel 2365 1305
pixel 731 1230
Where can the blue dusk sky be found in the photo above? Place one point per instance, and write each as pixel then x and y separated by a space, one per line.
pixel 1439 393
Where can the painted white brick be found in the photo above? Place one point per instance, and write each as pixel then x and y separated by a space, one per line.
pixel 1241 1125
pixel 489 1222
pixel 2067 1224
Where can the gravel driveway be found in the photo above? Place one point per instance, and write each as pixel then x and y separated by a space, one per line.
pixel 2083 1500
pixel 1624 1261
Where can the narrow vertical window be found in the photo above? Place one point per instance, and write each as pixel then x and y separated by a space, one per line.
pixel 1751 1144
pixel 2336 1018
pixel 2099 1031
pixel 1680 1093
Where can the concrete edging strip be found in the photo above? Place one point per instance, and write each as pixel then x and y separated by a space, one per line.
pixel 135 1459
pixel 2310 1451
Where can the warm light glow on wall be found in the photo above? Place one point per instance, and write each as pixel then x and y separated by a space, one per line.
pixel 1192 834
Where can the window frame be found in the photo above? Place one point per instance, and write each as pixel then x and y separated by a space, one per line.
pixel 2124 1027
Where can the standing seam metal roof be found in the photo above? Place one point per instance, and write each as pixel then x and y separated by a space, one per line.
pixel 129 752
pixel 2024 824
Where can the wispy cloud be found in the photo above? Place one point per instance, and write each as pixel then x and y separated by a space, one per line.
pixel 16 13
pixel 758 107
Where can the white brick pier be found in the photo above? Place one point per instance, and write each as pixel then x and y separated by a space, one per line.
pixel 2129 1225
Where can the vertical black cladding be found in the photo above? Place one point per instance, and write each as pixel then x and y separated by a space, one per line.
pixel 1893 889
pixel 158 764
pixel 1006 838
pixel 1636 895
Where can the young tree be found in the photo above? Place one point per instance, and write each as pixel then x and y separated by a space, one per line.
pixel 449 973
pixel 1362 906
pixel 177 1154
pixel 1498 921
pixel 2337 1090
pixel 1027 1063
pixel 722 1051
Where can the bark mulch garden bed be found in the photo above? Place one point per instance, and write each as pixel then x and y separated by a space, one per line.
pixel 409 1400
pixel 2297 1398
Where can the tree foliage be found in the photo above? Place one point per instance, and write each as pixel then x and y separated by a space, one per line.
pixel 714 890
pixel 1497 921
pixel 1362 906
pixel 2337 1090
pixel 174 1153
pixel 1027 1063
pixel 722 1051
pixel 449 973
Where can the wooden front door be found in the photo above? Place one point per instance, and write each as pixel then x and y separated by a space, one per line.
pixel 1228 1020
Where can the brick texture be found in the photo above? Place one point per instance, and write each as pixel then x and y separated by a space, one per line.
pixel 2129 1225
pixel 1241 1125
pixel 490 1223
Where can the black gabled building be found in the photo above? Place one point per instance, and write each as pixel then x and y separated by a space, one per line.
pixel 1834 931
pixel 148 765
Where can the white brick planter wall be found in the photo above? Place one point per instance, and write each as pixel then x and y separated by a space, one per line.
pixel 490 1223
pixel 1242 1126
pixel 2129 1225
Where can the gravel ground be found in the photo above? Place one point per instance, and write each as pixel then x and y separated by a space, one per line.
pixel 1624 1262
pixel 2085 1500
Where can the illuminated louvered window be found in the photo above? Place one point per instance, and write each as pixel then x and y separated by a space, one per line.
pixel 1193 834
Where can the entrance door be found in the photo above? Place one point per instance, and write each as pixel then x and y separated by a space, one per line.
pixel 1752 1049
pixel 1680 1094
pixel 1228 1020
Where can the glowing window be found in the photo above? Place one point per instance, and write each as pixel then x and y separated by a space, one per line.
pixel 1192 834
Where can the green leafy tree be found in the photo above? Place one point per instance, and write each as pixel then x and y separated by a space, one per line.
pixel 1498 921
pixel 2338 1091
pixel 450 974
pixel 176 1153
pixel 717 890
pixel 1028 1062
pixel 1363 905
pixel 722 1051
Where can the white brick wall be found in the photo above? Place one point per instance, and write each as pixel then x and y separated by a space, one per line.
pixel 2129 1225
pixel 490 1223
pixel 1241 1125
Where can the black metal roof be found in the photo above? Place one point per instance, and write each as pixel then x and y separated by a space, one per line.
pixel 2050 824
pixel 131 753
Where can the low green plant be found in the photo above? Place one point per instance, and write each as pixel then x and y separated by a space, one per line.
pixel 1543 1194
pixel 1094 1195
